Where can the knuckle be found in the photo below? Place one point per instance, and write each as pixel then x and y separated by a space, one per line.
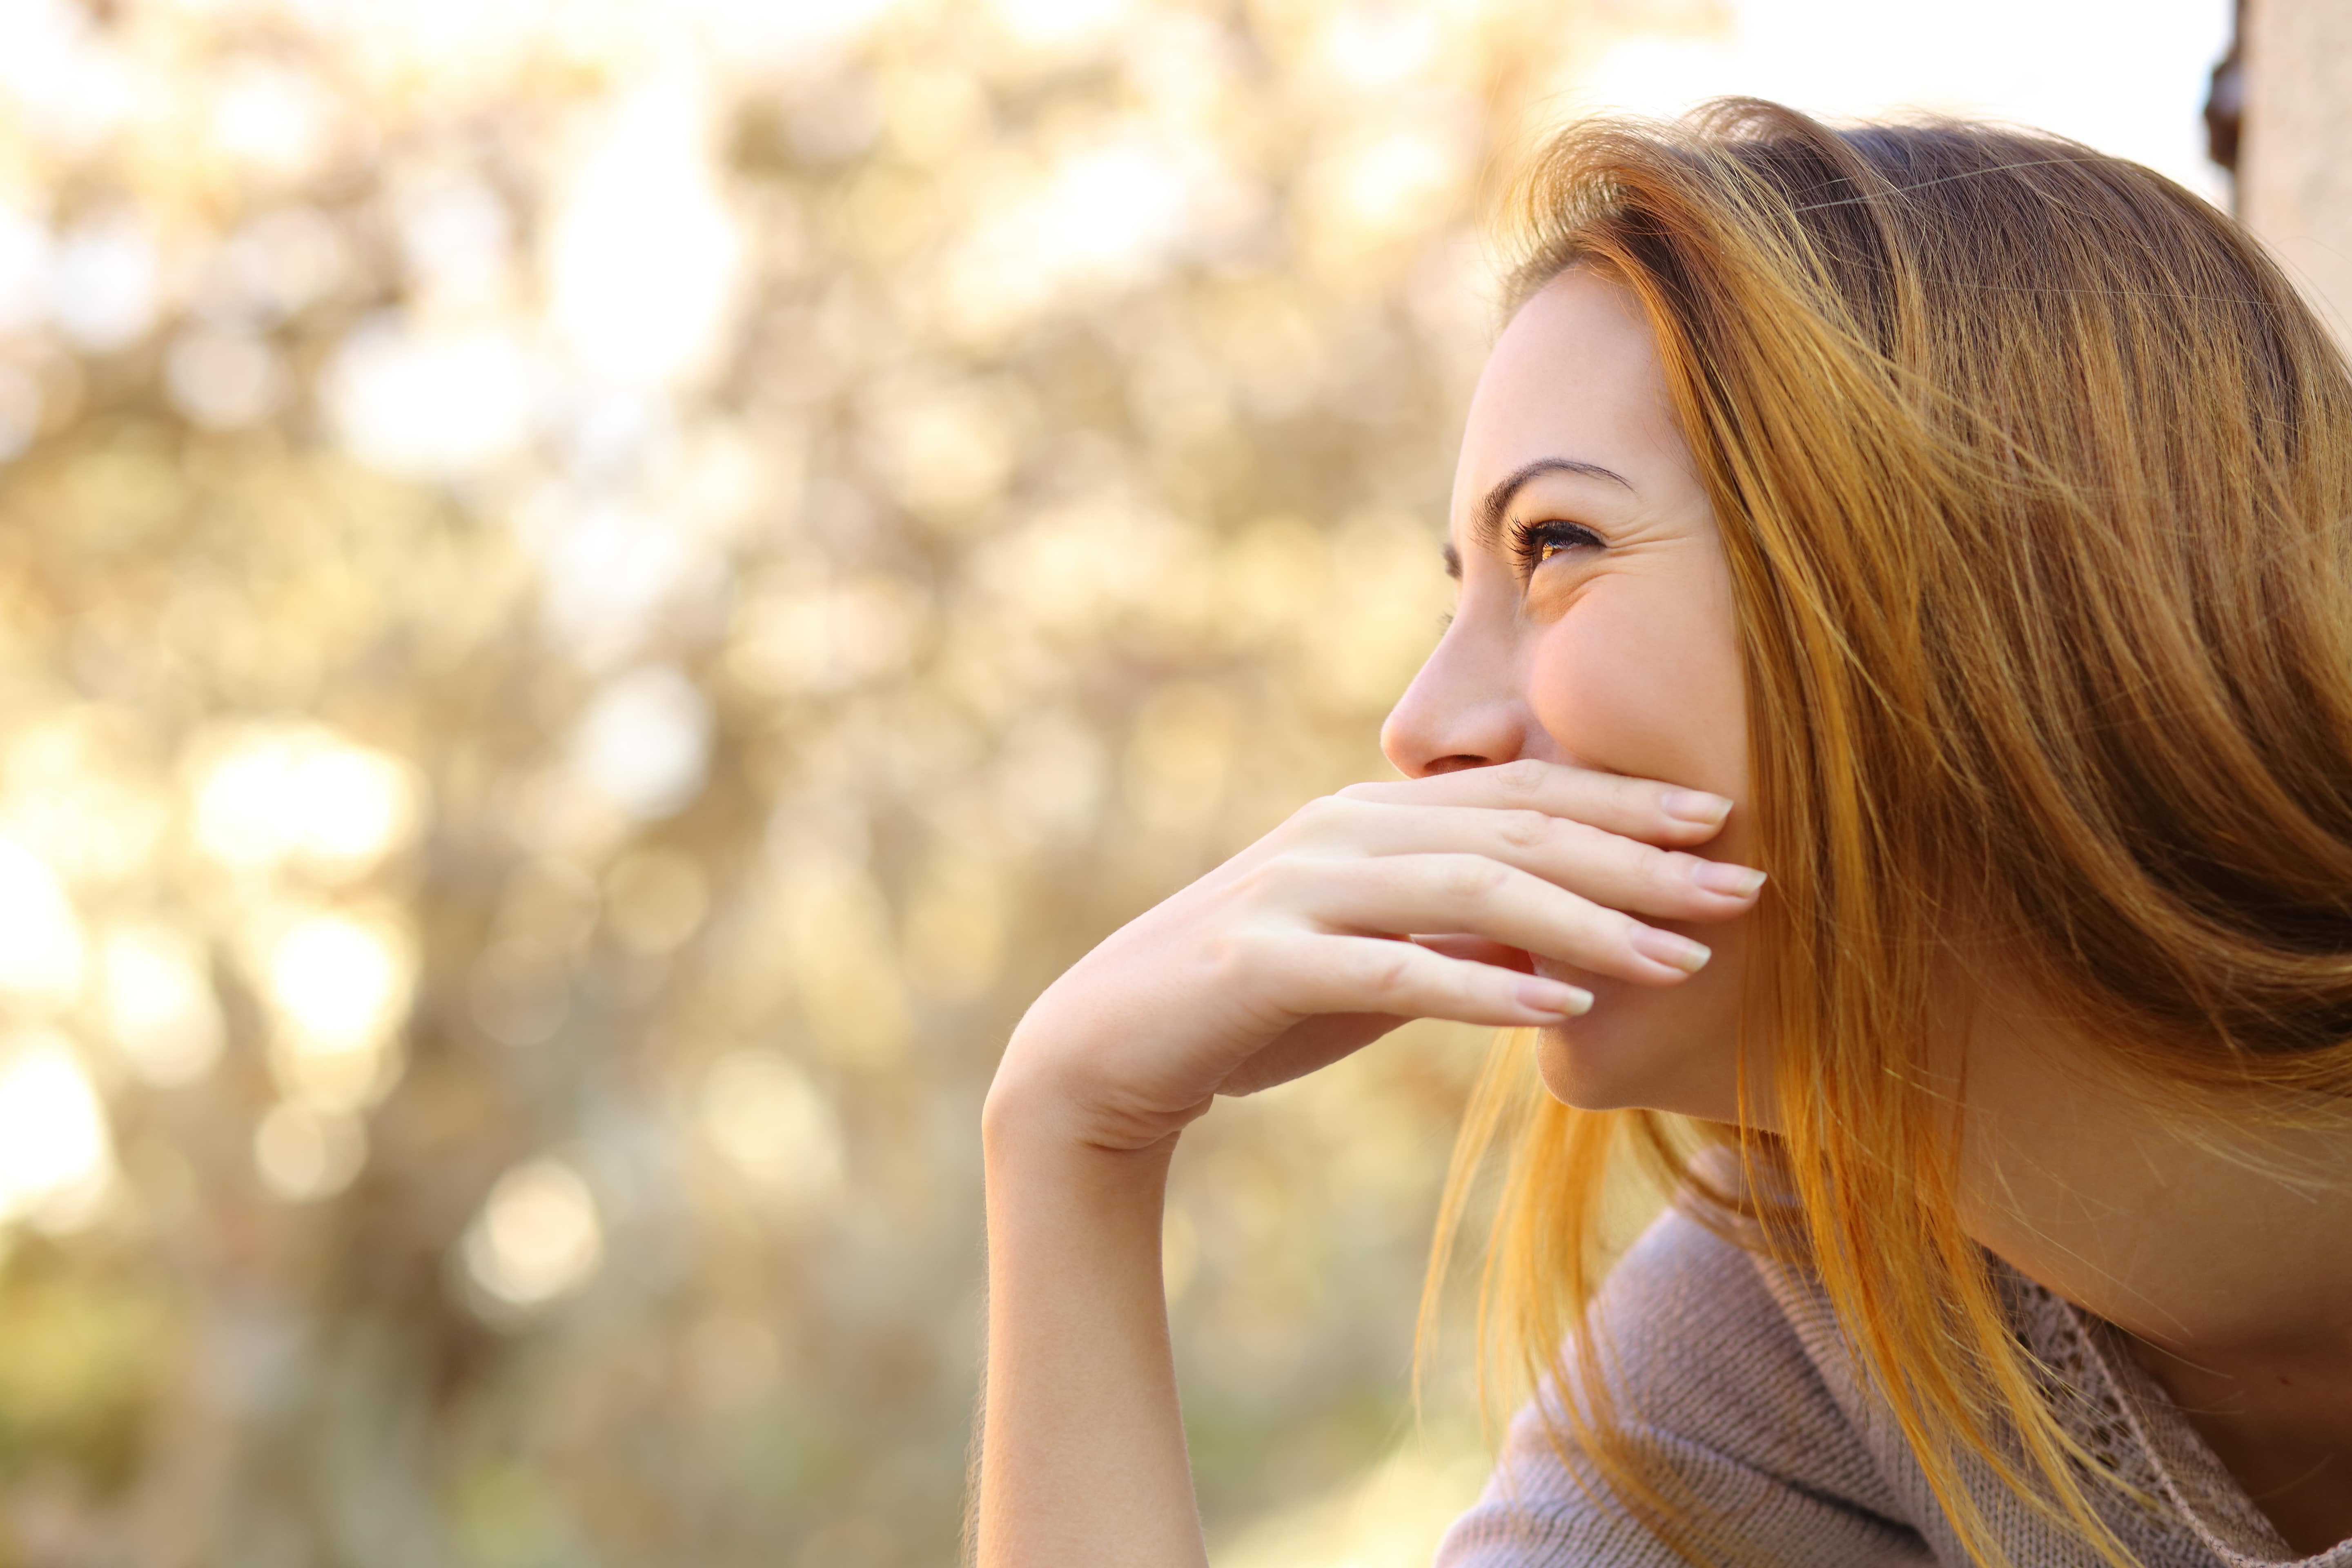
pixel 1314 812
pixel 1233 962
pixel 1626 793
pixel 1391 975
pixel 1522 780
pixel 1473 877
pixel 1668 873
pixel 1525 829
pixel 1266 882
pixel 1280 877
pixel 1326 813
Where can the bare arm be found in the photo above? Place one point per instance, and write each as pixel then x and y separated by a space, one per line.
pixel 1292 954
pixel 1085 1448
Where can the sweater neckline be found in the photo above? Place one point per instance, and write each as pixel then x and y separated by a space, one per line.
pixel 2120 1412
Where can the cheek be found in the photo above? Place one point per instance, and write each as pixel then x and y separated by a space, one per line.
pixel 1640 682
pixel 1634 679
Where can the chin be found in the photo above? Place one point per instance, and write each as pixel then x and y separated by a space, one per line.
pixel 1642 1048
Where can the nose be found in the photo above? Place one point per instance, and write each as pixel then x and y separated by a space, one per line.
pixel 1462 711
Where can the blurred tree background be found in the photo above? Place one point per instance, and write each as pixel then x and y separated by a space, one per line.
pixel 592 597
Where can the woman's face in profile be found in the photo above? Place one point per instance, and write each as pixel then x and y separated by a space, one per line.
pixel 1594 627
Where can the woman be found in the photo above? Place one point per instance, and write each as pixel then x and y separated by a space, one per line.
pixel 1951 523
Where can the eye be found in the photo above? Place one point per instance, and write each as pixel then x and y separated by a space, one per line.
pixel 1535 542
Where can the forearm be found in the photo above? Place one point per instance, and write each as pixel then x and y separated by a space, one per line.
pixel 1082 1445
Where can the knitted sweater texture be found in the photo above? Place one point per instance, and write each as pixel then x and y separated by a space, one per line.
pixel 1735 1368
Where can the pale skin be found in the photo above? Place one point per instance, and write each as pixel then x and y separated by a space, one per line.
pixel 1575 761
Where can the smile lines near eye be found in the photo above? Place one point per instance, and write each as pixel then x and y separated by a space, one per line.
pixel 1498 499
pixel 1487 531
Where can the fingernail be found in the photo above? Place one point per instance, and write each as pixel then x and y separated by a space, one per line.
pixel 1553 996
pixel 1695 806
pixel 1722 877
pixel 1670 947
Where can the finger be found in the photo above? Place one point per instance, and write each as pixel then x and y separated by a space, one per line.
pixel 1393 894
pixel 1309 1045
pixel 1478 950
pixel 1647 809
pixel 1331 973
pixel 1605 867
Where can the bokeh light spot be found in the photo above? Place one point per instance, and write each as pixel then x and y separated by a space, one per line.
pixel 105 282
pixel 339 988
pixel 56 1155
pixel 644 252
pixel 304 1153
pixel 42 950
pixel 159 1003
pixel 538 1235
pixel 771 1124
pixel 266 795
pixel 431 403
pixel 223 380
pixel 645 742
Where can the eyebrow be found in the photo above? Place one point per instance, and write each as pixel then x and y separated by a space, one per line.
pixel 1488 528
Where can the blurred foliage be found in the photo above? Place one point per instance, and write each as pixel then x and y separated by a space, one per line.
pixel 592 597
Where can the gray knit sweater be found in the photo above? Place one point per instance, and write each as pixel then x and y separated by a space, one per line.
pixel 1743 1376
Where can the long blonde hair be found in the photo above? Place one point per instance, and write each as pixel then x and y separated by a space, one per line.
pixel 2035 477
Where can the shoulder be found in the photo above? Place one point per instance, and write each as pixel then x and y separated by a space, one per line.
pixel 1712 1366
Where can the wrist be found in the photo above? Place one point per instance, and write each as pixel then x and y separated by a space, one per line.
pixel 1026 1126
pixel 1049 1102
pixel 1061 1207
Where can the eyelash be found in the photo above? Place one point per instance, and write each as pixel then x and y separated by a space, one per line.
pixel 1531 540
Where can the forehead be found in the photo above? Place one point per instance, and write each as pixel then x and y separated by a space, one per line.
pixel 1575 374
